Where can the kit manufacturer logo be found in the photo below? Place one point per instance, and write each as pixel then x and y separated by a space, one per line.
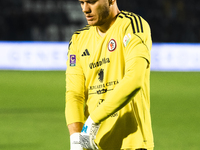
pixel 86 53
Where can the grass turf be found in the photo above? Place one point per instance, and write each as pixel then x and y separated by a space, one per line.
pixel 175 110
pixel 32 110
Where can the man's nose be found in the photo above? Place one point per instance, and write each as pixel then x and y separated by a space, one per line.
pixel 85 8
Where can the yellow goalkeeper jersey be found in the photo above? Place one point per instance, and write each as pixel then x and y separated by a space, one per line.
pixel 95 82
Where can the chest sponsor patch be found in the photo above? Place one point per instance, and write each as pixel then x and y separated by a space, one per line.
pixel 112 45
pixel 99 63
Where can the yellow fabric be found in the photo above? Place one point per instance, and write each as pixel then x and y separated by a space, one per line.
pixel 104 77
pixel 137 149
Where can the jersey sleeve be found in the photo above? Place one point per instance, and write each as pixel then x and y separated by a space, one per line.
pixel 74 110
pixel 122 95
pixel 139 44
pixel 137 60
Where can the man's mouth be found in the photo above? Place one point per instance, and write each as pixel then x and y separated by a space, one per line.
pixel 89 18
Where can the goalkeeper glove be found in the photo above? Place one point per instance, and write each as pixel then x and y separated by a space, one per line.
pixel 75 142
pixel 88 134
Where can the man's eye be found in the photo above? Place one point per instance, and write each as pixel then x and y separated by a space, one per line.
pixel 89 2
pixel 81 2
pixel 92 2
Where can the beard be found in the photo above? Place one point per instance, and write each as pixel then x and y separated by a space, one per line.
pixel 103 14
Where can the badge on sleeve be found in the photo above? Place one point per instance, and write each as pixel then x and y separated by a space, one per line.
pixel 72 60
pixel 126 39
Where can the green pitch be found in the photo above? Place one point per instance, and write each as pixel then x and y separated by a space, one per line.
pixel 32 110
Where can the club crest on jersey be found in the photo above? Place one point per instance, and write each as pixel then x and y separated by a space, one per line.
pixel 112 45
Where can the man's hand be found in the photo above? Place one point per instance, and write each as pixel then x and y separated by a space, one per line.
pixel 88 134
pixel 75 142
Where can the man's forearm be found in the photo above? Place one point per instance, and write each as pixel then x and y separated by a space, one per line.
pixel 75 130
pixel 128 88
pixel 75 127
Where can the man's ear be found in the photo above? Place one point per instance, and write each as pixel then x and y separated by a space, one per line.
pixel 111 2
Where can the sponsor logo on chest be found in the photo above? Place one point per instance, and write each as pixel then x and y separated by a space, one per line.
pixel 99 63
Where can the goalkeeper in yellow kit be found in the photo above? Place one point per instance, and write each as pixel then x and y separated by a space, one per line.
pixel 107 80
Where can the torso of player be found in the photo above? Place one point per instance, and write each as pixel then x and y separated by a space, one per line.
pixel 102 60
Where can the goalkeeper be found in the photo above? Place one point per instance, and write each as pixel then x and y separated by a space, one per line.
pixel 107 80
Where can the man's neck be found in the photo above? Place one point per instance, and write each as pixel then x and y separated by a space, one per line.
pixel 110 21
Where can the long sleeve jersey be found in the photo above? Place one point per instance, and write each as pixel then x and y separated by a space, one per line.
pixel 105 79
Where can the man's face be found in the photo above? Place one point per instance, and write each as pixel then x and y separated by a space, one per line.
pixel 96 11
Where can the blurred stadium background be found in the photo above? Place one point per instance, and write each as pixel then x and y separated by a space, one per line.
pixel 34 35
pixel 56 20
